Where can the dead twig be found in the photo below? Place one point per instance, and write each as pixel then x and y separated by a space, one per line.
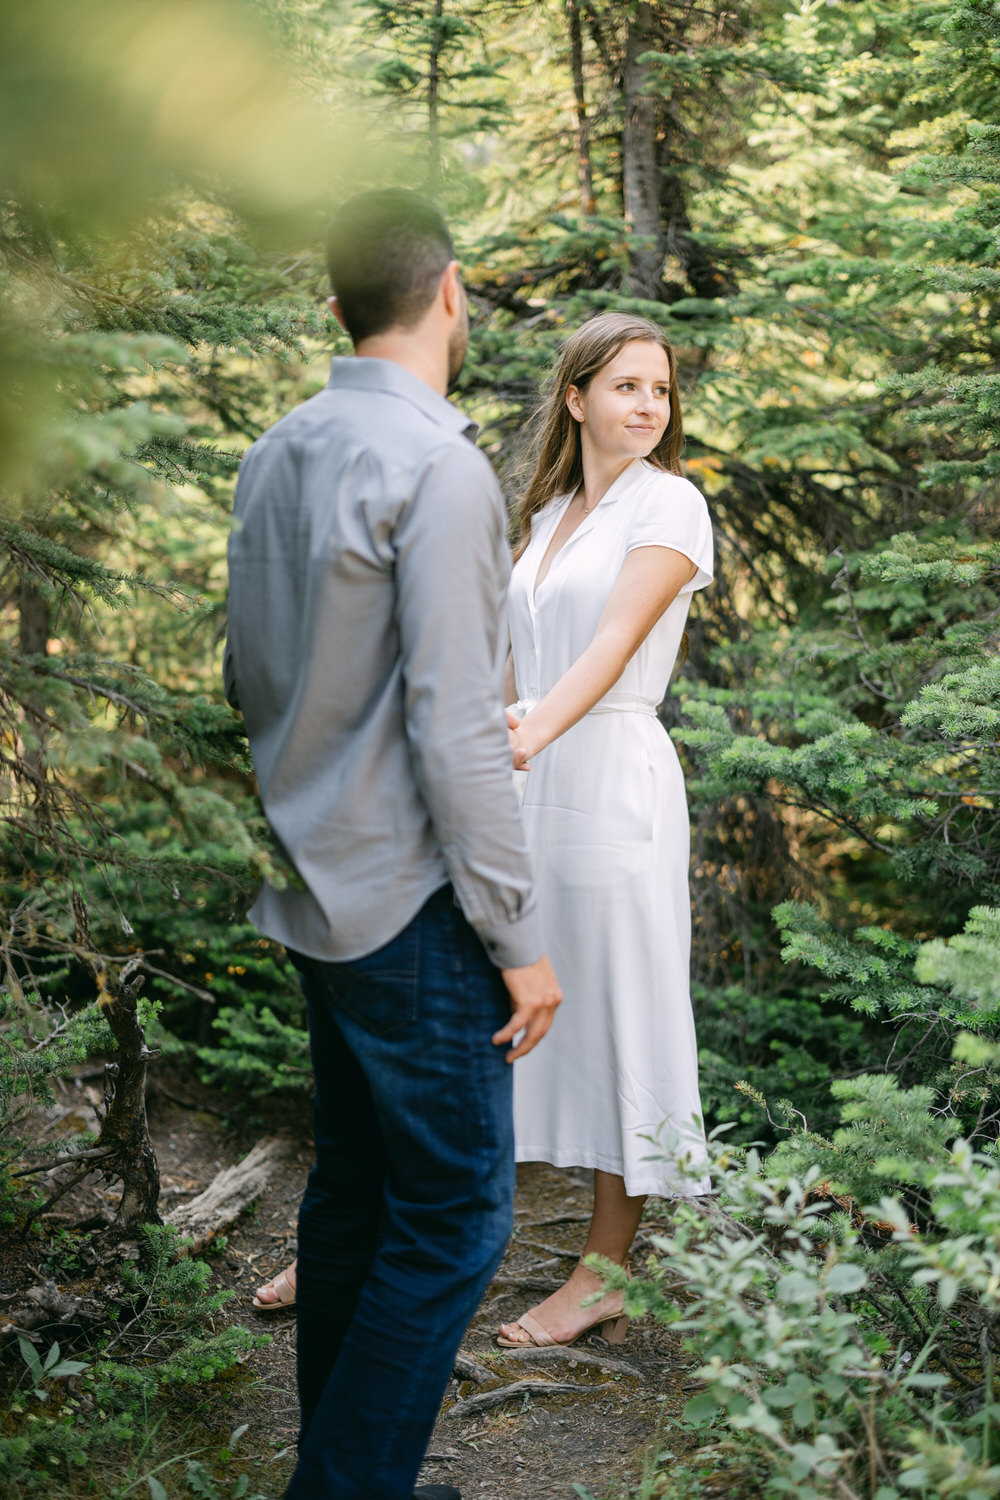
pixel 548 1356
pixel 467 1368
pixel 523 1388
pixel 528 1283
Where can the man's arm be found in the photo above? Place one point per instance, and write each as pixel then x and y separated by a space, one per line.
pixel 450 589
pixel 449 593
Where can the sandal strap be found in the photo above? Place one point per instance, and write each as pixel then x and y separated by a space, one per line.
pixel 282 1288
pixel 535 1331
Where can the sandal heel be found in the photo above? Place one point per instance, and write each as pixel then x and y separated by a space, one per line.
pixel 615 1329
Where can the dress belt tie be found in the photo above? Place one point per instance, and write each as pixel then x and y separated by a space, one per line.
pixel 632 706
pixel 639 707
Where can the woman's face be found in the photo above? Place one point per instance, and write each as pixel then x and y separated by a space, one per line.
pixel 625 409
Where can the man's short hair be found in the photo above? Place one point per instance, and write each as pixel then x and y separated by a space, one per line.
pixel 385 252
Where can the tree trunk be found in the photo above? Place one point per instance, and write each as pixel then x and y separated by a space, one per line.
pixel 433 92
pixel 581 132
pixel 640 167
pixel 124 1133
pixel 600 41
pixel 653 185
pixel 704 277
pixel 34 624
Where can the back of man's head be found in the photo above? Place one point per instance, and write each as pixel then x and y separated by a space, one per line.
pixel 385 252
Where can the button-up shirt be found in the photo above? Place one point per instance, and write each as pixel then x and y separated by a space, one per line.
pixel 368 567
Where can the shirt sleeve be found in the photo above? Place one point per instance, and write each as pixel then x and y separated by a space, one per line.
pixel 452 566
pixel 672 513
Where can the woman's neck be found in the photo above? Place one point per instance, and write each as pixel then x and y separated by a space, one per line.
pixel 599 473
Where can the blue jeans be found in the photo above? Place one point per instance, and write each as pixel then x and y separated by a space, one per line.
pixel 410 1204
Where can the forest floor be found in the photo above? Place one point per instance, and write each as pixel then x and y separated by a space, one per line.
pixel 593 1441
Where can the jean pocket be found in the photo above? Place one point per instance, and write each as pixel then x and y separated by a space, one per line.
pixel 380 991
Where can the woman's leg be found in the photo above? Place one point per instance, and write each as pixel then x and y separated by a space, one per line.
pixel 612 1229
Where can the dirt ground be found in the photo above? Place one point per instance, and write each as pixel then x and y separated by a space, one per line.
pixel 537 1443
pixel 534 1444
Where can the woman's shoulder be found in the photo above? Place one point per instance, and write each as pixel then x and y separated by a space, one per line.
pixel 657 491
pixel 658 483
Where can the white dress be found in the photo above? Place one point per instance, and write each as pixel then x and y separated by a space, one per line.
pixel 615 1083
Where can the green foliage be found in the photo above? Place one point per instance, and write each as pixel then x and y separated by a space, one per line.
pixel 77 1421
pixel 788 1043
pixel 824 214
pixel 53 1367
pixel 836 1351
pixel 39 1042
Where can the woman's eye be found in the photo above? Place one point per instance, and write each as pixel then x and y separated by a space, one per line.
pixel 626 385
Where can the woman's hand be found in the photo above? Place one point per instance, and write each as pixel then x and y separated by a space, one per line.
pixel 518 749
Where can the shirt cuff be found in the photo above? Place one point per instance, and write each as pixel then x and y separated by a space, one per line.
pixel 513 945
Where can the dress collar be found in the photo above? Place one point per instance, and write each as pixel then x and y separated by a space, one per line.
pixel 611 495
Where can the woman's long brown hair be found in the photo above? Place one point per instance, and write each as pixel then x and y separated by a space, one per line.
pixel 555 447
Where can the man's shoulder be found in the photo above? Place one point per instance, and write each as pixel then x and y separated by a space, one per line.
pixel 379 427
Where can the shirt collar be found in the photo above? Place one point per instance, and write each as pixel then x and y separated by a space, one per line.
pixel 363 373
pixel 613 493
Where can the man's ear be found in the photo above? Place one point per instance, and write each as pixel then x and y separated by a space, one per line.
pixel 333 304
pixel 451 289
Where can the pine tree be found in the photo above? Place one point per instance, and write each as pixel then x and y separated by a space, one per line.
pixel 137 305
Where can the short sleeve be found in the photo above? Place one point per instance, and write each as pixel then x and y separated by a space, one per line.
pixel 671 512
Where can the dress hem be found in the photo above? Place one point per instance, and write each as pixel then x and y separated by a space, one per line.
pixel 635 1186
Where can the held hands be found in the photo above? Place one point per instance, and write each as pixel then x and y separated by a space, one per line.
pixel 534 995
pixel 518 749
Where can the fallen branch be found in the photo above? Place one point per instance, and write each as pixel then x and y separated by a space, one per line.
pixel 230 1192
pixel 467 1368
pixel 555 1251
pixel 98 1153
pixel 548 1356
pixel 45 1304
pixel 522 1388
pixel 556 1219
pixel 528 1283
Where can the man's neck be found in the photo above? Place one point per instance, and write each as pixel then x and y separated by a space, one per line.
pixel 414 350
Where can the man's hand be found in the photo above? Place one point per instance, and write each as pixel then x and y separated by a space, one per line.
pixel 534 995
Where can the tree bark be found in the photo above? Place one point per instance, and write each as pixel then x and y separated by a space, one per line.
pixel 653 185
pixel 704 277
pixel 124 1132
pixel 433 95
pixel 34 624
pixel 640 167
pixel 581 131
pixel 230 1192
pixel 601 42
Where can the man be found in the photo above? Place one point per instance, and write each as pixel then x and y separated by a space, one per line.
pixel 368 566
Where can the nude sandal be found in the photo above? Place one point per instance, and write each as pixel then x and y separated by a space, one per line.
pixel 284 1289
pixel 613 1329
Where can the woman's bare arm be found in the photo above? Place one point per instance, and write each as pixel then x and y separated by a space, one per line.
pixel 649 581
pixel 509 685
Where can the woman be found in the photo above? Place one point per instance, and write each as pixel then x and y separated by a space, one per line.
pixel 613 544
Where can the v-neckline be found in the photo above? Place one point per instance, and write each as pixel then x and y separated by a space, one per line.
pixel 538 582
pixel 583 526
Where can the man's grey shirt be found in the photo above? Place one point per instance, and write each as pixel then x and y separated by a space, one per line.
pixel 368 568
